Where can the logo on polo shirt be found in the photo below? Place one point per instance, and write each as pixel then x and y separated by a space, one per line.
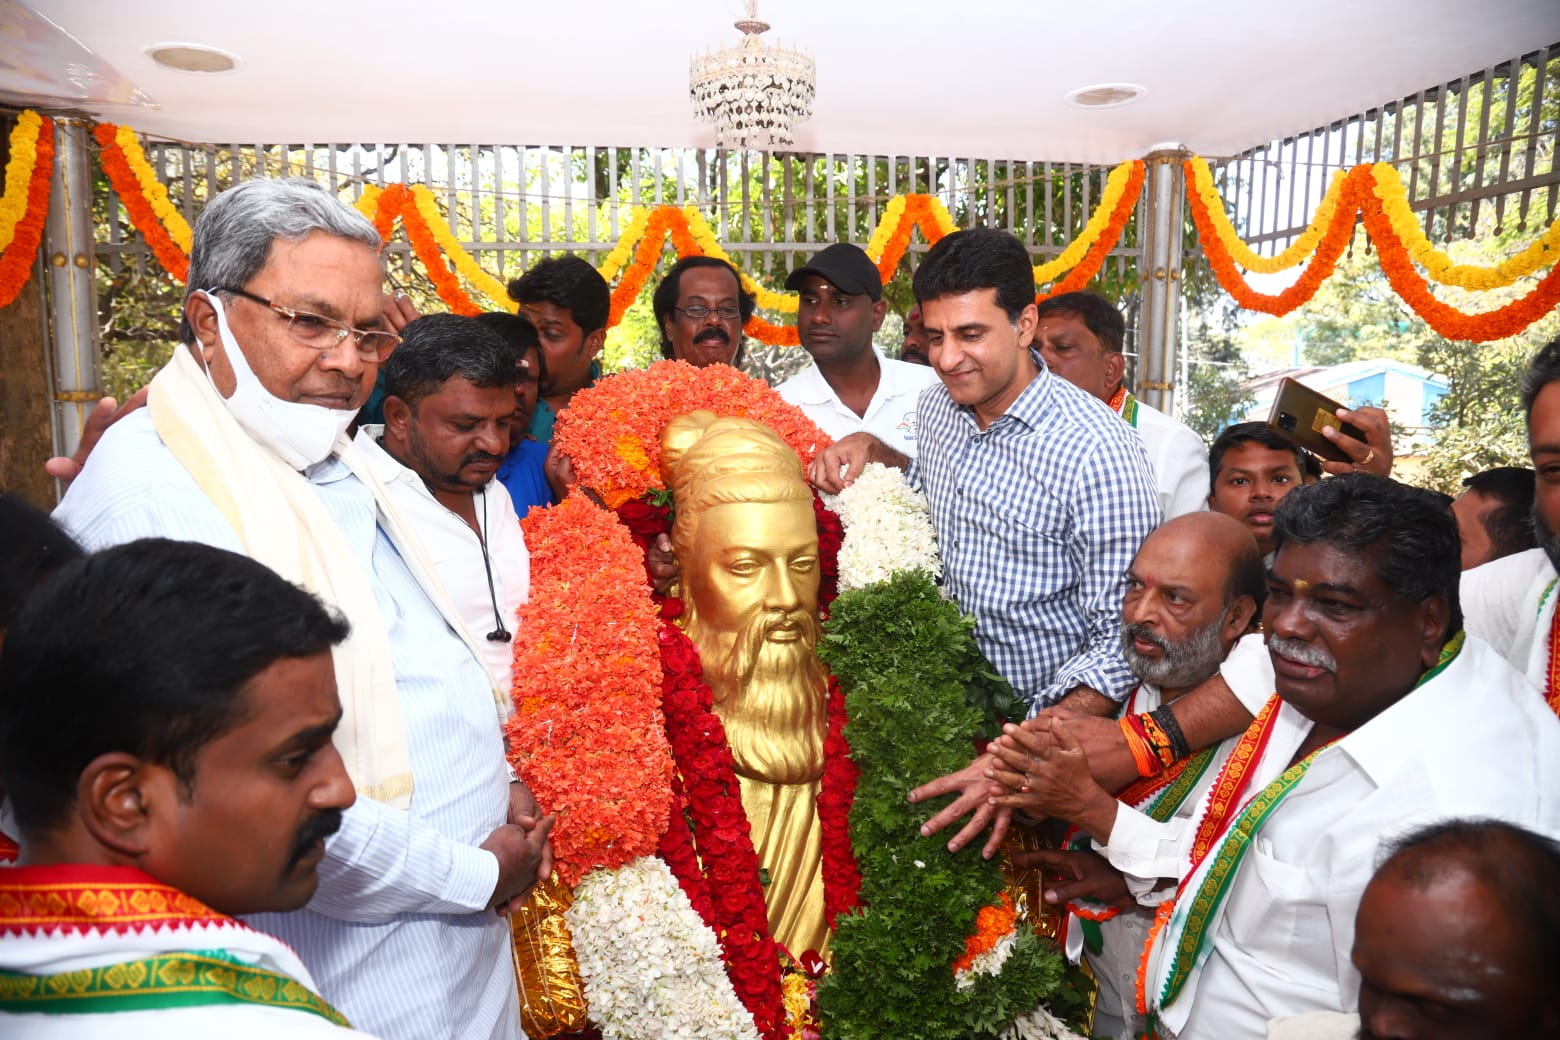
pixel 906 426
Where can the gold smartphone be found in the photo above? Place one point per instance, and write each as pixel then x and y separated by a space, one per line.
pixel 1299 414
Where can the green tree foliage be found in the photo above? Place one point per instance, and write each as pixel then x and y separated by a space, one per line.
pixel 1216 373
pixel 1356 315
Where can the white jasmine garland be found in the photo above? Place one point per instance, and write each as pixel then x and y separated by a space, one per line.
pixel 888 529
pixel 987 962
pixel 1039 1024
pixel 651 967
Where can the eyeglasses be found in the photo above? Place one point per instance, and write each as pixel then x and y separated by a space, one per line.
pixel 325 334
pixel 698 313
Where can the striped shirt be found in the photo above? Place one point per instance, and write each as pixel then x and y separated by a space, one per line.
pixel 1038 517
pixel 398 935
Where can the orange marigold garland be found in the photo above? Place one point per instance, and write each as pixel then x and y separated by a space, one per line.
pixel 1317 269
pixel 142 215
pixel 1448 321
pixel 646 254
pixel 587 733
pixel 992 924
pixel 17 262
pixel 427 249
pixel 612 430
pixel 1090 265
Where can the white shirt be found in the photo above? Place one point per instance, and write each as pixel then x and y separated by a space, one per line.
pixel 1179 459
pixel 58 951
pixel 1142 843
pixel 456 551
pixel 890 415
pixel 1476 740
pixel 398 935
pixel 1150 851
pixel 1510 604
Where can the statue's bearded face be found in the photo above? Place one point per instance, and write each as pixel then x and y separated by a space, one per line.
pixel 751 579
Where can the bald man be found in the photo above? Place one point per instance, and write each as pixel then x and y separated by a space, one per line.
pixel 1457 938
pixel 1193 590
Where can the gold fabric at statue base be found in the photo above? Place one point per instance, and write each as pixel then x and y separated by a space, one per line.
pixel 552 994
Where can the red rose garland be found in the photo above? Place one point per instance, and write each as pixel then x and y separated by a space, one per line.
pixel 707 823
pixel 831 534
pixel 714 801
pixel 841 876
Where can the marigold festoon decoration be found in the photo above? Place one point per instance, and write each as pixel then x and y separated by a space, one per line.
pixel 25 204
pixel 1374 194
pixel 144 198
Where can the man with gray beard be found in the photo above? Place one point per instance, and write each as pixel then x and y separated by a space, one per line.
pixel 1193 590
pixel 1387 717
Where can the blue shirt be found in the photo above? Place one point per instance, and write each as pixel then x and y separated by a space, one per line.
pixel 522 476
pixel 1038 517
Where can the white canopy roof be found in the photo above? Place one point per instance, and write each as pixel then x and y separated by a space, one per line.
pixel 979 78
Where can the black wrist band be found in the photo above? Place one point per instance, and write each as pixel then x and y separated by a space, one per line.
pixel 1166 719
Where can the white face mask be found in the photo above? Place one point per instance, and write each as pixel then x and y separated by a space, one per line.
pixel 299 434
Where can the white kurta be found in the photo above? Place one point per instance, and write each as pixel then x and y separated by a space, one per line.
pixel 399 935
pixel 1510 603
pixel 890 415
pixel 1179 459
pixel 1477 740
pixel 456 552
pixel 1142 843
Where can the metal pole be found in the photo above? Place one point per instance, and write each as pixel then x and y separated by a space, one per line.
pixel 72 294
pixel 1160 274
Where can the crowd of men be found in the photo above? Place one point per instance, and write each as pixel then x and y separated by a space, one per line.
pixel 1308 770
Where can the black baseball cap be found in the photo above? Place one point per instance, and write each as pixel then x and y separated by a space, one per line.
pixel 844 266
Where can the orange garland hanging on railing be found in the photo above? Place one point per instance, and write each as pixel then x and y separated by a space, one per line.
pixel 1447 321
pixel 1360 195
pixel 1334 241
pixel 26 201
pixel 1087 268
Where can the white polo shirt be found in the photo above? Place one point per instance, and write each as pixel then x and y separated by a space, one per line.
pixel 890 415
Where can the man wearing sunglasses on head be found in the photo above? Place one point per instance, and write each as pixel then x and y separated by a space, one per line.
pixel 242 446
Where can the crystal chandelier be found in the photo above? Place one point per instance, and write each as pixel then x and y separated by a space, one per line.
pixel 753 92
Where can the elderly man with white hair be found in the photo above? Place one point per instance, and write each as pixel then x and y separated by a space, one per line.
pixel 243 446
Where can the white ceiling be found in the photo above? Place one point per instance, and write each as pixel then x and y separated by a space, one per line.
pixel 966 77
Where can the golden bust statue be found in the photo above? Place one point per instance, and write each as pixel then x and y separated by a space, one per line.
pixel 747 542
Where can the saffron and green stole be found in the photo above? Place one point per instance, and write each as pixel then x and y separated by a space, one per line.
pixel 64 899
pixel 1184 934
pixel 1124 405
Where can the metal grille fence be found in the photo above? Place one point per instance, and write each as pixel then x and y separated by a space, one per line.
pixel 511 205
pixel 1476 154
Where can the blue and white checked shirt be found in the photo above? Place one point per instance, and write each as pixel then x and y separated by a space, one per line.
pixel 1038 517
pixel 398 935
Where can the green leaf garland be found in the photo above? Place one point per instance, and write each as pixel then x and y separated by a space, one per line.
pixel 917 689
